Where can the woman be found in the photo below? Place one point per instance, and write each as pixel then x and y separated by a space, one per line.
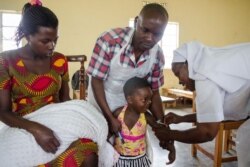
pixel 34 76
pixel 221 78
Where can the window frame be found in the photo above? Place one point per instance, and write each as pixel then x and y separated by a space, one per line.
pixel 2 12
pixel 169 56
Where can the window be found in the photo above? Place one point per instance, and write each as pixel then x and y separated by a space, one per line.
pixel 8 25
pixel 169 42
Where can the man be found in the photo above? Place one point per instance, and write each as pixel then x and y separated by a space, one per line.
pixel 221 79
pixel 123 53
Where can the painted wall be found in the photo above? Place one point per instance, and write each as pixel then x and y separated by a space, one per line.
pixel 214 22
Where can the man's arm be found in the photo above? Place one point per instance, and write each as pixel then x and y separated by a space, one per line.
pixel 157 80
pixel 99 94
pixel 156 106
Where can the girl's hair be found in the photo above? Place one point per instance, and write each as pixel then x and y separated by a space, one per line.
pixel 133 84
pixel 33 17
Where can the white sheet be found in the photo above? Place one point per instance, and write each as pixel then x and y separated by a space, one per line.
pixel 69 120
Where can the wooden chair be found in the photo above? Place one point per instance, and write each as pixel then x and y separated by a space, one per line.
pixel 81 59
pixel 224 139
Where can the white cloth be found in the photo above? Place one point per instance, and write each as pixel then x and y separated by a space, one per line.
pixel 243 144
pixel 69 120
pixel 222 83
pixel 222 79
pixel 214 104
pixel 119 74
pixel 228 67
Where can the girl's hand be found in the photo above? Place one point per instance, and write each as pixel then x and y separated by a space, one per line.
pixel 45 137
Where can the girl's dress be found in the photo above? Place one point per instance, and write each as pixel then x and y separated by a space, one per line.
pixel 133 150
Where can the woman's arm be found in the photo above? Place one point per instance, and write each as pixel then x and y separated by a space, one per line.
pixel 172 118
pixel 43 135
pixel 202 132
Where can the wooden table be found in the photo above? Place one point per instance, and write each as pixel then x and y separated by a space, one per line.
pixel 166 101
pixel 182 93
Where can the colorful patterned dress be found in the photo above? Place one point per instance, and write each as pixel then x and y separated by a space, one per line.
pixel 31 91
pixel 133 149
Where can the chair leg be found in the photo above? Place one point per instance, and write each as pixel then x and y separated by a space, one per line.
pixel 218 147
pixel 227 136
pixel 193 150
pixel 193 146
pixel 164 107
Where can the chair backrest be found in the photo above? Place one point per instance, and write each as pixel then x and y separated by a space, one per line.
pixel 82 78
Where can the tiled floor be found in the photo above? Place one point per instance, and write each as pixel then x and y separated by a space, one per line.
pixel 183 156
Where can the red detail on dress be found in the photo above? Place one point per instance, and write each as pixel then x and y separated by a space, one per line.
pixel 70 160
pixel 41 83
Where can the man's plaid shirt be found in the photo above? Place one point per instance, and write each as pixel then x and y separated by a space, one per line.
pixel 109 43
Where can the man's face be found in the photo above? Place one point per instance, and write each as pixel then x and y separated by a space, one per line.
pixel 180 70
pixel 149 30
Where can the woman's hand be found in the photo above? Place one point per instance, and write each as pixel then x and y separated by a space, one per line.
pixel 45 137
pixel 172 118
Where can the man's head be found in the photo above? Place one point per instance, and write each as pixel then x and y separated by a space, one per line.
pixel 149 26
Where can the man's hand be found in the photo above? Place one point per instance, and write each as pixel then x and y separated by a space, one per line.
pixel 115 125
pixel 45 137
pixel 169 145
pixel 162 133
pixel 172 153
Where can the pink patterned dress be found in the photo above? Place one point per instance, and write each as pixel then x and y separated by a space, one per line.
pixel 133 149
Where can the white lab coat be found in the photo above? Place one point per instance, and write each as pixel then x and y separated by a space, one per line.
pixel 222 83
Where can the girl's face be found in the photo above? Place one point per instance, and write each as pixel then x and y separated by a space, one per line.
pixel 43 42
pixel 180 70
pixel 141 99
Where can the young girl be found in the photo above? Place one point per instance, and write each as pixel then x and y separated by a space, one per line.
pixel 130 142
